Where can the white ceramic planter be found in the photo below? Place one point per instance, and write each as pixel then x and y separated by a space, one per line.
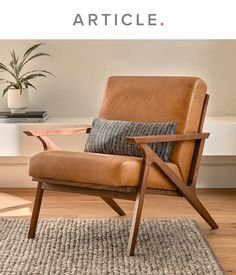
pixel 17 101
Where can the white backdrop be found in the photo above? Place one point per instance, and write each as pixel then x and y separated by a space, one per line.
pixel 183 19
pixel 82 67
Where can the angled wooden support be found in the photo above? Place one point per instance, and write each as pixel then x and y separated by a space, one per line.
pixel 47 143
pixel 187 191
pixel 114 206
pixel 36 210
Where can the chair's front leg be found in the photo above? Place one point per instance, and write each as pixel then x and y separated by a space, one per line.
pixel 36 209
pixel 138 207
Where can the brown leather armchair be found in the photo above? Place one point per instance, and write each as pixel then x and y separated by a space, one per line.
pixel 145 99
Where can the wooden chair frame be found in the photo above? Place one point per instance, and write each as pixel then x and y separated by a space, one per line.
pixel 129 193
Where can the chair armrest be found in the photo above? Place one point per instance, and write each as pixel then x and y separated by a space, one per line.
pixel 50 132
pixel 167 138
pixel 42 135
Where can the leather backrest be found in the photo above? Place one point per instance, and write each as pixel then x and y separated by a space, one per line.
pixel 158 99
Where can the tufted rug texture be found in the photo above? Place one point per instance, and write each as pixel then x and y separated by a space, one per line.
pixel 98 246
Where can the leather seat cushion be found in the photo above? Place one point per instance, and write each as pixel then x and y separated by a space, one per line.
pixel 102 169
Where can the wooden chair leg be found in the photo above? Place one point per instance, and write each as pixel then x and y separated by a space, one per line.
pixel 135 224
pixel 36 209
pixel 114 206
pixel 198 206
pixel 138 207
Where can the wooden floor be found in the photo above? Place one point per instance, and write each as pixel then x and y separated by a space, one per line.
pixel 220 203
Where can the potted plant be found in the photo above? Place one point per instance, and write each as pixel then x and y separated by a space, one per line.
pixel 17 81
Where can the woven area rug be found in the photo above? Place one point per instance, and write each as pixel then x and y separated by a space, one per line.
pixel 71 246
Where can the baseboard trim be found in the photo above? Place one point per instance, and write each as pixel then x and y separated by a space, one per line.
pixel 19 160
pixel 215 172
pixel 218 160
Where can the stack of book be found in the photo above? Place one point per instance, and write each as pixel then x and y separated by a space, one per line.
pixel 36 116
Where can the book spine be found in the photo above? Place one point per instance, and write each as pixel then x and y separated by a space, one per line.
pixel 25 115
pixel 18 120
pixel 22 116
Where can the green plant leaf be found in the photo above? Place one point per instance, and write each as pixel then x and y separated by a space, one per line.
pixel 15 67
pixel 14 63
pixel 34 56
pixel 26 54
pixel 5 68
pixel 37 71
pixel 32 49
pixel 14 59
pixel 19 83
pixel 30 84
pixel 4 81
pixel 32 76
pixel 6 89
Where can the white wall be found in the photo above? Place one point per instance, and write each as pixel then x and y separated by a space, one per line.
pixel 82 67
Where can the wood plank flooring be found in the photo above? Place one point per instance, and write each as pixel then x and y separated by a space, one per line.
pixel 221 203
